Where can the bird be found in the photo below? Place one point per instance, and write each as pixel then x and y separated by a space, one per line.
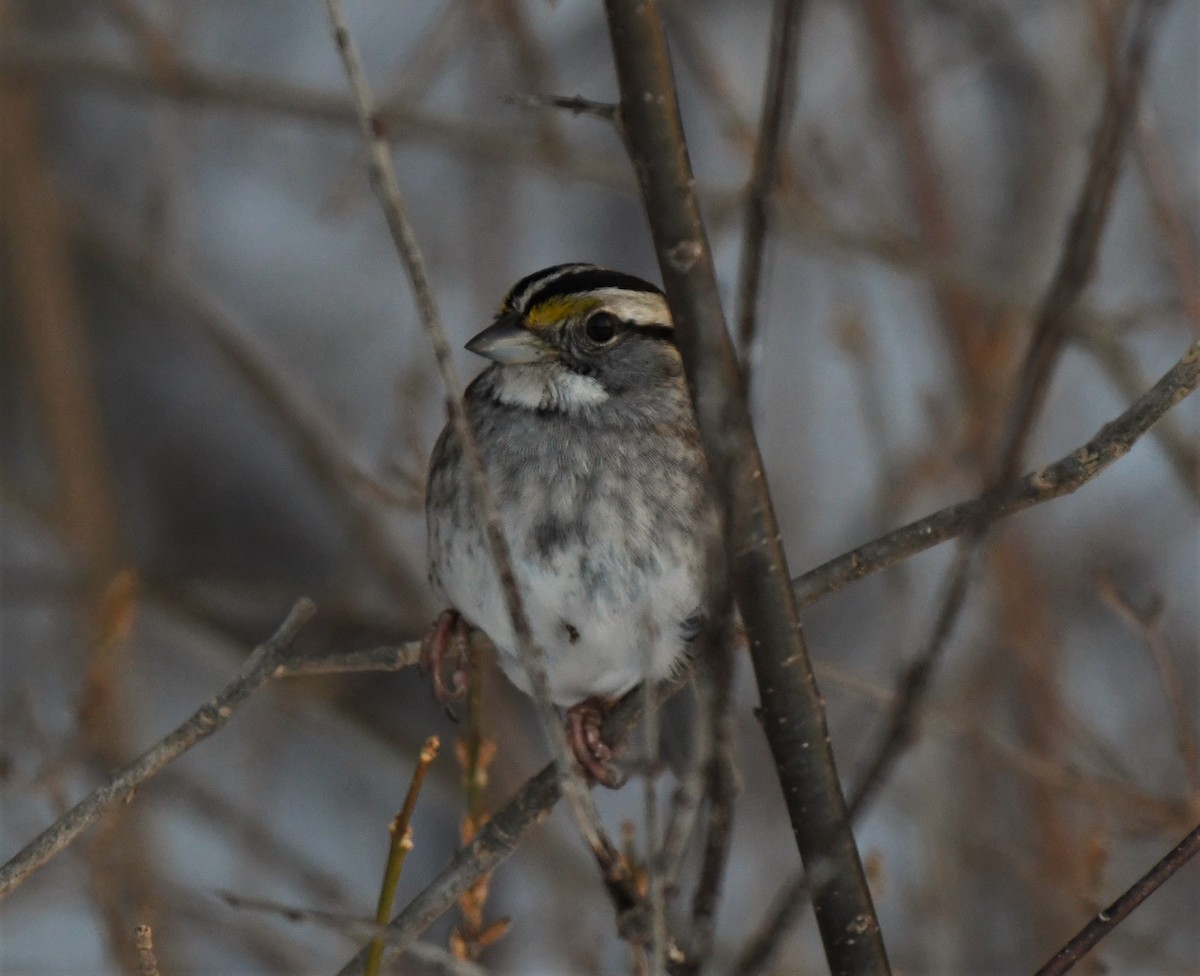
pixel 588 437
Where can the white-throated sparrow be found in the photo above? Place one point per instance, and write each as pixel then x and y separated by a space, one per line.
pixel 593 456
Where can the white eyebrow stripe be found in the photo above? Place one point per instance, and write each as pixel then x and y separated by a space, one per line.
pixel 638 307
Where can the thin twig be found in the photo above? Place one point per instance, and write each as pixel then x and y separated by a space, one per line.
pixel 1120 366
pixel 259 668
pixel 386 186
pixel 387 658
pixel 400 843
pixel 498 838
pixel 356 927
pixel 1119 910
pixel 575 104
pixel 779 98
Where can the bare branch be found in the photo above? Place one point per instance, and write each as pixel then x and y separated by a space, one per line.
pixel 498 838
pixel 1064 476
pixel 794 717
pixel 1120 365
pixel 385 658
pixel 779 97
pixel 575 104
pixel 358 927
pixel 1119 910
pixel 386 186
pixel 259 668
pixel 1051 326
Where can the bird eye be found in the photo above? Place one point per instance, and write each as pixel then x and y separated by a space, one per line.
pixel 602 327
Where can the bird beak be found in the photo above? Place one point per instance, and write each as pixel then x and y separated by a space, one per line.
pixel 509 341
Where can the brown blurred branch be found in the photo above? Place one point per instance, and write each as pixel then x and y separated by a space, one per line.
pixel 254 92
pixel 1051 328
pixel 61 363
pixel 1107 920
pixel 1081 246
pixel 259 668
pixel 354 489
pixel 960 310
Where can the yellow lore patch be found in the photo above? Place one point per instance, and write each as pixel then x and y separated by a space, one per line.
pixel 555 310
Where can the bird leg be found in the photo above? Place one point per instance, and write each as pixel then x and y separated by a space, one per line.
pixel 590 750
pixel 448 642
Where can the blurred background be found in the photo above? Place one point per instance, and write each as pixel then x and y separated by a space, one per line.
pixel 217 398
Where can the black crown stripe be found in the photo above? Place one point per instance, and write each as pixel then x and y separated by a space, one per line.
pixel 571 279
pixel 517 295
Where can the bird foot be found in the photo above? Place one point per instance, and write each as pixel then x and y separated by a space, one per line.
pixel 445 653
pixel 592 753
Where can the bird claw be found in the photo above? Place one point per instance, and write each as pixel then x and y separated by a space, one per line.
pixel 587 743
pixel 447 644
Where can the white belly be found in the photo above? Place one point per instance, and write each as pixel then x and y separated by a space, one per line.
pixel 604 625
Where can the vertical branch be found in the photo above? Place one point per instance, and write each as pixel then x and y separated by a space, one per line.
pixel 779 97
pixel 49 311
pixel 793 714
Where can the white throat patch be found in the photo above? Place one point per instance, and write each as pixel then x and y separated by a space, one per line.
pixel 547 386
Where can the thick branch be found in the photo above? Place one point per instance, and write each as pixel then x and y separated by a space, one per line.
pixel 793 713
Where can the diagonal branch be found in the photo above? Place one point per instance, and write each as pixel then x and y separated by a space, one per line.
pixel 259 668
pixel 1063 477
pixel 1051 327
pixel 384 182
pixel 1081 247
pixel 1119 910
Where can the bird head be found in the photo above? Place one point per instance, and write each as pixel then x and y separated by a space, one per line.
pixel 612 330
